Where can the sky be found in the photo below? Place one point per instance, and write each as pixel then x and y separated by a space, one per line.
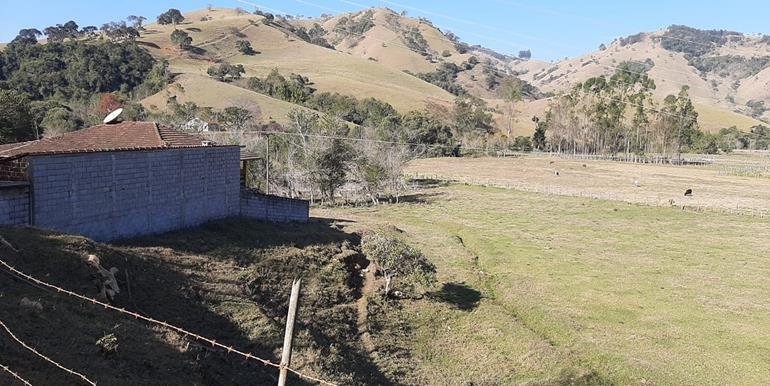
pixel 551 29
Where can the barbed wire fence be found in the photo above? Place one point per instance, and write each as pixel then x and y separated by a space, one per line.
pixel 13 374
pixel 212 342
pixel 47 359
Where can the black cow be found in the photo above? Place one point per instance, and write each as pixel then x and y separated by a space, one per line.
pixel 688 193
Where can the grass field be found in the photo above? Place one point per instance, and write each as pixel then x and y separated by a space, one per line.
pixel 719 186
pixel 547 289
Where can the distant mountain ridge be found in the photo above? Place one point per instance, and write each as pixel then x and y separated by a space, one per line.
pixel 412 64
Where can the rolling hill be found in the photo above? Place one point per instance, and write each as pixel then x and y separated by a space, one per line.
pixel 379 53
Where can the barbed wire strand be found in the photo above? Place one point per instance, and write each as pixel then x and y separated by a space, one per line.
pixel 47 359
pixel 212 342
pixel 13 374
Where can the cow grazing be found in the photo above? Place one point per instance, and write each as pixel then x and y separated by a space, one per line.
pixel 688 193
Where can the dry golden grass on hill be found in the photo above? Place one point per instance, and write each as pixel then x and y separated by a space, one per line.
pixel 329 70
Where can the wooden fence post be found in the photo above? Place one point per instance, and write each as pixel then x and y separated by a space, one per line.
pixel 289 334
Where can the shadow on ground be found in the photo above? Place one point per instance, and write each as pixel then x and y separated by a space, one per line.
pixel 457 295
pixel 228 280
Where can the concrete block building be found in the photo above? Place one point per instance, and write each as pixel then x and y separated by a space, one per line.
pixel 128 179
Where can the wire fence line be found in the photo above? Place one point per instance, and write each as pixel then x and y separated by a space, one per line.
pixel 13 374
pixel 47 359
pixel 212 342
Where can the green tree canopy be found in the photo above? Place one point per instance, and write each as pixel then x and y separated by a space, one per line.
pixel 172 16
pixel 181 39
pixel 16 120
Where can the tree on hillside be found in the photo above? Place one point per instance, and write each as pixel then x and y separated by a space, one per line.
pixel 226 71
pixel 119 31
pixel 27 36
pixel 16 121
pixel 244 47
pixel 137 21
pixel 172 16
pixel 58 121
pixel 396 259
pixel 525 54
pixel 76 69
pixel 470 116
pixel 181 39
pixel 89 32
pixel 60 32
pixel 235 118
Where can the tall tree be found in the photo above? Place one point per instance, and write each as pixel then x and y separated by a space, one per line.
pixel 27 36
pixel 511 90
pixel 16 121
pixel 172 16
pixel 181 39
pixel 137 21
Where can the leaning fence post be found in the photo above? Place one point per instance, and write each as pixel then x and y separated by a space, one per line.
pixel 289 334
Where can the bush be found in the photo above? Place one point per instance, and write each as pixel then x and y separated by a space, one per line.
pixel 693 42
pixel 181 39
pixel 632 39
pixel 244 47
pixel 396 259
pixel 226 71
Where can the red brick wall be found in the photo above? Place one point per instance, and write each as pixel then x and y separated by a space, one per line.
pixel 14 170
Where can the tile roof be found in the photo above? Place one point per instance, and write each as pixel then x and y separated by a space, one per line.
pixel 107 137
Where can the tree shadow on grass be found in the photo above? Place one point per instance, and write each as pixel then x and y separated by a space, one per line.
pixel 458 295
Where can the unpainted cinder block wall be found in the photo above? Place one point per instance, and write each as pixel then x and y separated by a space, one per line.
pixel 113 195
pixel 273 208
pixel 14 205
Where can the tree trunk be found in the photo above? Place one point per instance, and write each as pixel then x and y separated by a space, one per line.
pixel 388 279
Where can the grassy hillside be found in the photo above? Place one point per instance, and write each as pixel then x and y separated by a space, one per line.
pixel 228 280
pixel 330 70
pixel 372 64
pixel 206 91
pixel 718 93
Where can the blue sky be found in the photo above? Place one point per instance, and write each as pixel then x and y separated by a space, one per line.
pixel 551 29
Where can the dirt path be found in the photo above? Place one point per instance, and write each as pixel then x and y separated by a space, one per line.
pixel 362 304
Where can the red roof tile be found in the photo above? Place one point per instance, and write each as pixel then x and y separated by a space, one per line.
pixel 108 137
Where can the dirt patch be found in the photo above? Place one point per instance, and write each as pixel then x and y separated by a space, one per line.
pixel 362 304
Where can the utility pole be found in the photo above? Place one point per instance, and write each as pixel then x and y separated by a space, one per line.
pixel 289 334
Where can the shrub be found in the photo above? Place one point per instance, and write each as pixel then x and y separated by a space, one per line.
pixel 181 39
pixel 226 71
pixel 244 47
pixel 396 259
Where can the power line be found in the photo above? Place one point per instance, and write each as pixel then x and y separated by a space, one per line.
pixel 47 359
pixel 212 342
pixel 13 374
